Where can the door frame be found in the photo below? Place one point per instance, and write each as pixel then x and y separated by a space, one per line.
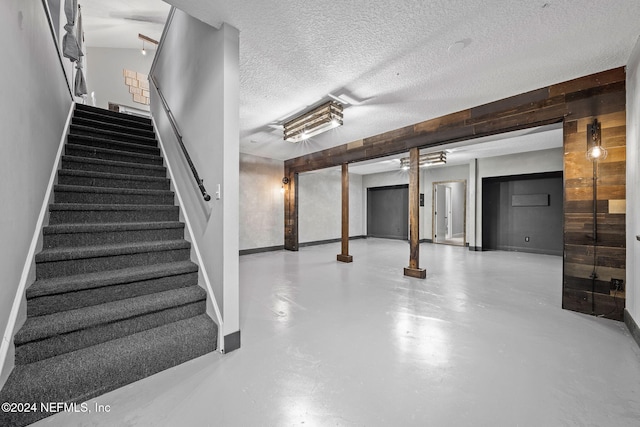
pixel 433 210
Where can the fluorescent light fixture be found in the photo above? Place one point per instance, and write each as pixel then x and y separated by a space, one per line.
pixel 429 159
pixel 321 119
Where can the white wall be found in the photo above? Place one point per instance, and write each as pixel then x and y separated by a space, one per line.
pixel 513 164
pixel 34 104
pixel 197 67
pixel 427 178
pixel 261 202
pixel 320 205
pixel 104 74
pixel 633 184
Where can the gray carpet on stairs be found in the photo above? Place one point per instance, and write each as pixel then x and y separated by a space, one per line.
pixel 116 297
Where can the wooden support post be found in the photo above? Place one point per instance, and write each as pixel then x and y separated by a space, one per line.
pixel 414 216
pixel 344 256
pixel 291 210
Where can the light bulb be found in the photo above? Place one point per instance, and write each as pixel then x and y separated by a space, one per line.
pixel 144 52
pixel 596 152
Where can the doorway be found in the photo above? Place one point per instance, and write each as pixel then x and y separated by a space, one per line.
pixel 450 212
pixel 388 212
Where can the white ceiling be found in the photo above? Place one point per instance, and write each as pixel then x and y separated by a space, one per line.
pixel 403 62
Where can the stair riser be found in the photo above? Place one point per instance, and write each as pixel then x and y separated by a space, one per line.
pixel 118 156
pixel 41 306
pixel 111 216
pixel 122 169
pixel 46 270
pixel 43 349
pixel 113 145
pixel 131 129
pixel 113 199
pixel 107 117
pixel 67 240
pixel 156 184
pixel 98 133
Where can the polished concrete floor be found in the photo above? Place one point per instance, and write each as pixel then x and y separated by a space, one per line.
pixel 481 342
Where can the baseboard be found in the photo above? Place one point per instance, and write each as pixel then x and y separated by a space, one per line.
pixel 259 250
pixel 475 248
pixel 632 326
pixel 529 250
pixel 7 361
pixel 324 242
pixel 426 241
pixel 231 342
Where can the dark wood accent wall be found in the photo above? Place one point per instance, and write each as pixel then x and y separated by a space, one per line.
pixel 581 292
pixel 575 103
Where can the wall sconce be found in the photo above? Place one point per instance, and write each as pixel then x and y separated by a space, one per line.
pixel 320 119
pixel 285 181
pixel 429 159
pixel 595 150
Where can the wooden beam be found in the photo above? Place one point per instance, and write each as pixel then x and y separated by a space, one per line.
pixel 344 256
pixel 414 217
pixel 291 211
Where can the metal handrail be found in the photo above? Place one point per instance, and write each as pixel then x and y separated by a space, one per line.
pixel 174 125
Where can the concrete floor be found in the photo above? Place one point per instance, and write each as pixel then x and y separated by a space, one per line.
pixel 482 342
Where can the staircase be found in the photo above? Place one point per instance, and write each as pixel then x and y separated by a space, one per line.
pixel 116 298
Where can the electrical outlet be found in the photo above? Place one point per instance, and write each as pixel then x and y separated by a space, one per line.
pixel 526 239
pixel 617 285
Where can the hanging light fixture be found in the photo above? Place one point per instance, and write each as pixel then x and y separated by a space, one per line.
pixel 429 159
pixel 321 119
pixel 148 40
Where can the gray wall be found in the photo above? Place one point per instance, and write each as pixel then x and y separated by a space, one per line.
pixel 204 97
pixel 384 179
pixel 320 205
pixel 261 202
pixel 31 76
pixel 513 164
pixel 633 184
pixel 506 227
pixel 104 74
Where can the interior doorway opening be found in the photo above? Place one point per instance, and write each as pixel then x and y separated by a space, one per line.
pixel 450 212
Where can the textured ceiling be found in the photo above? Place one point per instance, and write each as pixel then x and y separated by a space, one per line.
pixel 404 61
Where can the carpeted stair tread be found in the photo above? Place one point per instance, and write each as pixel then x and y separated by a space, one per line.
pixel 81 234
pixel 92 371
pixel 91 162
pixel 41 327
pixel 132 128
pixel 66 176
pixel 77 129
pixel 66 254
pixel 109 190
pixel 94 141
pixel 59 285
pixel 111 154
pixel 109 227
pixel 113 114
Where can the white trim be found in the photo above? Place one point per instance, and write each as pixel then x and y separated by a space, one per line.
pixel 22 285
pixel 194 243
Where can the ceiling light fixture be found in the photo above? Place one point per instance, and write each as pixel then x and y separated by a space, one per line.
pixel 429 159
pixel 321 119
pixel 148 40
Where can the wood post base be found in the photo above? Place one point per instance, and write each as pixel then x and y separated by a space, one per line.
pixel 418 273
pixel 345 258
